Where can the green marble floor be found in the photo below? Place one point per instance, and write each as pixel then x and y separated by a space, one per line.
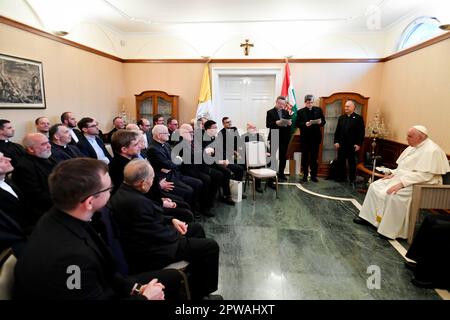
pixel 304 247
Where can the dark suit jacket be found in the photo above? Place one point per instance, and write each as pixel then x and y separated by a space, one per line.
pixel 78 134
pixel 31 176
pixel 350 130
pixel 147 236
pixel 116 167
pixel 59 241
pixel 60 153
pixel 11 235
pixel 225 135
pixel 160 158
pixel 86 148
pixel 14 207
pixel 12 150
pixel 271 119
pixel 108 136
pixel 311 134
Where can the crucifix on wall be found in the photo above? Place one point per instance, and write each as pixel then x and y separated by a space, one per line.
pixel 246 46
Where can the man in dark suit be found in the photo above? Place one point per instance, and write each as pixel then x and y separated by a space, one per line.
pixel 229 144
pixel 10 149
pixel 32 172
pixel 160 157
pixel 310 120
pixel 151 240
pixel 348 140
pixel 11 198
pixel 90 144
pixel 11 235
pixel 60 139
pixel 65 258
pixel 283 128
pixel 68 119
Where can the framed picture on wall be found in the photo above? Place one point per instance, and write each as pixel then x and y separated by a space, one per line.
pixel 21 83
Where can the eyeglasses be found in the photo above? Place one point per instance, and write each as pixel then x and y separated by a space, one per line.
pixel 164 133
pixel 98 192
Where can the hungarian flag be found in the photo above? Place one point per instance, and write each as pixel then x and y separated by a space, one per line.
pixel 287 90
pixel 204 108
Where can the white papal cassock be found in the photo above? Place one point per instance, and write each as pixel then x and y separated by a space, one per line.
pixel 425 163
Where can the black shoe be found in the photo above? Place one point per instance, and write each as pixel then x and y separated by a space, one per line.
pixel 358 220
pixel 213 297
pixel 410 265
pixel 244 196
pixel 259 190
pixel 314 179
pixel 282 178
pixel 422 283
pixel 229 201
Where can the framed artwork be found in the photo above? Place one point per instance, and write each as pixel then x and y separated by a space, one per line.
pixel 21 83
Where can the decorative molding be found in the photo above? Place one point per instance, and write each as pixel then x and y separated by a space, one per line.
pixel 21 26
pixel 419 46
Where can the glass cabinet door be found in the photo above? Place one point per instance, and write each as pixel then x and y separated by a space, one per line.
pixel 332 114
pixel 164 108
pixel 146 108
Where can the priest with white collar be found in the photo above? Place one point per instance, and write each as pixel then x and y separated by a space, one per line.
pixel 388 200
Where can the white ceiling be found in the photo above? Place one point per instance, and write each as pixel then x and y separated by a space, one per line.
pixel 137 16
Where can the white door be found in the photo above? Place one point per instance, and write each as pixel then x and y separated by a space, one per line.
pixel 245 98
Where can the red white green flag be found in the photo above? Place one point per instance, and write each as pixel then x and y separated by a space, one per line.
pixel 287 90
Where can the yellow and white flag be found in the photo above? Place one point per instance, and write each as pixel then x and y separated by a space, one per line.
pixel 204 108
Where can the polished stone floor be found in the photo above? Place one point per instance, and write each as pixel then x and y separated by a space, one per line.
pixel 305 247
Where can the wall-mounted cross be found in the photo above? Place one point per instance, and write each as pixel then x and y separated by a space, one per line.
pixel 246 46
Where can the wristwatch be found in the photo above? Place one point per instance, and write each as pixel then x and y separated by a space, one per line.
pixel 136 289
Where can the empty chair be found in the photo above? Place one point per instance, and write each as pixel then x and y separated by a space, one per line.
pixel 256 162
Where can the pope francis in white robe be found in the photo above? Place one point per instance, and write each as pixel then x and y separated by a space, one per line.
pixel 387 202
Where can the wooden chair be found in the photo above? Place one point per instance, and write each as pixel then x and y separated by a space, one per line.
pixel 427 196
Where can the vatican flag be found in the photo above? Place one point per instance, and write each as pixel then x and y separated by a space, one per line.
pixel 204 108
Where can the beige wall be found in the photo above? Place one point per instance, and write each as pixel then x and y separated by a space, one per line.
pixel 320 79
pixel 412 89
pixel 74 80
pixel 416 90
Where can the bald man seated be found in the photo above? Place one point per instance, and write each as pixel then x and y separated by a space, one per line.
pixel 388 200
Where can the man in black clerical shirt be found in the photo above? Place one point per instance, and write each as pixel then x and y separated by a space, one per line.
pixel 10 149
pixel 60 139
pixel 310 120
pixel 348 139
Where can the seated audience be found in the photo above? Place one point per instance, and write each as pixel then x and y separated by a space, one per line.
pixel 42 125
pixel 144 126
pixel 90 144
pixel 388 200
pixel 151 240
pixel 7 147
pixel 32 172
pixel 159 156
pixel 65 258
pixel 60 139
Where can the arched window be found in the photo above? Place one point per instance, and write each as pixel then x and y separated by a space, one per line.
pixel 419 30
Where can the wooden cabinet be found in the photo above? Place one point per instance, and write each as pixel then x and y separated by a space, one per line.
pixel 149 103
pixel 333 108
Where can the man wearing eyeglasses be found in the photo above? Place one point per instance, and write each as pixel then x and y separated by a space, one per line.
pixel 90 144
pixel 65 258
